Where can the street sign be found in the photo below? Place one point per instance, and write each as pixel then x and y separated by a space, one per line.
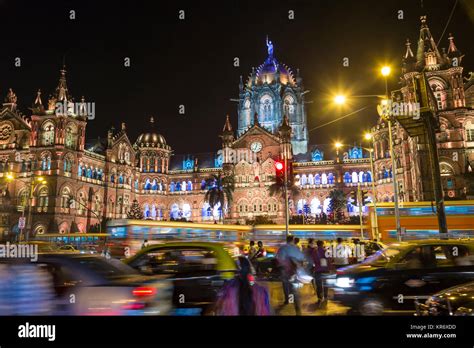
pixel 21 222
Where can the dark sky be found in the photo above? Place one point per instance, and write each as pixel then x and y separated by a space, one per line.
pixel 190 62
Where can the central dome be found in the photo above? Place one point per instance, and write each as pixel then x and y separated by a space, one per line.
pixel 151 139
pixel 268 71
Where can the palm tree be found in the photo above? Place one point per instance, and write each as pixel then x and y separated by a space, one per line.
pixel 278 188
pixel 220 190
pixel 337 202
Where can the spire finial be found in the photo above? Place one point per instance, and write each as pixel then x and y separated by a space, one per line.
pixel 255 119
pixel 409 52
pixel 423 20
pixel 124 127
pixel 38 101
pixel 227 125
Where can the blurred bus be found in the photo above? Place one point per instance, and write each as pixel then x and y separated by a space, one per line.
pixel 419 220
pixel 78 240
pixel 128 236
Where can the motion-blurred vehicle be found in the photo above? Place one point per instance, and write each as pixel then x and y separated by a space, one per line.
pixel 371 247
pixel 43 247
pixel 75 284
pixel 68 248
pixel 458 301
pixel 198 270
pixel 394 277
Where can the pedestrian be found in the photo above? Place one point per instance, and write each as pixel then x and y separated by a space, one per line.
pixel 297 243
pixel 252 250
pixel 321 267
pixel 261 252
pixel 242 295
pixel 145 243
pixel 289 258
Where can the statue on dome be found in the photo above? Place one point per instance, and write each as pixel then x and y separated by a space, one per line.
pixel 270 49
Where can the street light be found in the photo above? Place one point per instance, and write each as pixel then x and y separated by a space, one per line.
pixel 385 70
pixel 386 114
pixel 340 99
pixel 369 137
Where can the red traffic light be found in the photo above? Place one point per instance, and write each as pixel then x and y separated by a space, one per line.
pixel 279 165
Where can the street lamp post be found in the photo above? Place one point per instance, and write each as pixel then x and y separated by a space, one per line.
pixel 375 231
pixel 385 72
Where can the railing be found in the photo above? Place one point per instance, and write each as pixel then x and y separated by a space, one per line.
pixel 356 160
pixel 316 186
pixel 314 163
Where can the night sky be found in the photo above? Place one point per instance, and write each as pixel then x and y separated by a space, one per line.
pixel 190 62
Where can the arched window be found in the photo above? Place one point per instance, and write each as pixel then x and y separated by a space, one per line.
pixel 190 186
pixel 266 107
pixel 154 185
pixel 178 186
pixel 43 197
pixel 136 184
pixel 355 177
pixel 70 139
pixel 315 206
pixel 303 180
pixel 46 162
pixel 65 197
pixel 439 91
pixel 331 179
pixel 47 133
pixel 67 165
pixel 317 179
pixel 153 212
pixel 146 211
pixel 290 108
pixel 174 212
pixel 172 186
pixel 368 177
pixel 112 178
pixel 347 177
pixel 121 178
pixel 23 198
pixel 324 179
pixel 310 179
pixel 361 176
pixel 89 172
pixel 147 185
pixel 203 184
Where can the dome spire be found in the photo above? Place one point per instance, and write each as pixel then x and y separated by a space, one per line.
pixel 38 101
pixel 62 91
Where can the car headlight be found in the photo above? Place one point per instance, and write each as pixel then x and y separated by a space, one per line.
pixel 344 282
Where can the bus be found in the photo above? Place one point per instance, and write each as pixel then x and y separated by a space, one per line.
pixel 78 240
pixel 127 236
pixel 419 220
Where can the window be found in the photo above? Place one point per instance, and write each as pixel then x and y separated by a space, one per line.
pixel 67 165
pixel 47 137
pixel 470 134
pixel 65 196
pixel 71 136
pixel 43 197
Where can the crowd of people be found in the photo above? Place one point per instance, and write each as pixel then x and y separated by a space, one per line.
pixel 297 263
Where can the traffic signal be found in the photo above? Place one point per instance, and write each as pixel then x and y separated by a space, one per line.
pixel 353 196
pixel 280 172
pixel 365 197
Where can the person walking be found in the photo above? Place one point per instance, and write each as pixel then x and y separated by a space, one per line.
pixel 321 267
pixel 242 295
pixel 289 257
pixel 252 250
pixel 261 252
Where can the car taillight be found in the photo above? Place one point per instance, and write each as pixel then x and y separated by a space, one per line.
pixel 339 272
pixel 144 291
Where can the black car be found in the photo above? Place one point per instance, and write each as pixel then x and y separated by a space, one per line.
pixel 198 271
pixel 458 301
pixel 403 272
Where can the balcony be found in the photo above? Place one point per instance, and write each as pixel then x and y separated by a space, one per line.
pixel 316 186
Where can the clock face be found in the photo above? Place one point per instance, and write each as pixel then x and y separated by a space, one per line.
pixel 256 146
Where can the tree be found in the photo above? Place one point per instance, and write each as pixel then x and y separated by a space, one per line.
pixel 135 211
pixel 220 190
pixel 278 189
pixel 337 204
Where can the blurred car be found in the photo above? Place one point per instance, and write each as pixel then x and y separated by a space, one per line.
pixel 394 277
pixel 371 247
pixel 69 248
pixel 88 249
pixel 198 270
pixel 75 284
pixel 458 301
